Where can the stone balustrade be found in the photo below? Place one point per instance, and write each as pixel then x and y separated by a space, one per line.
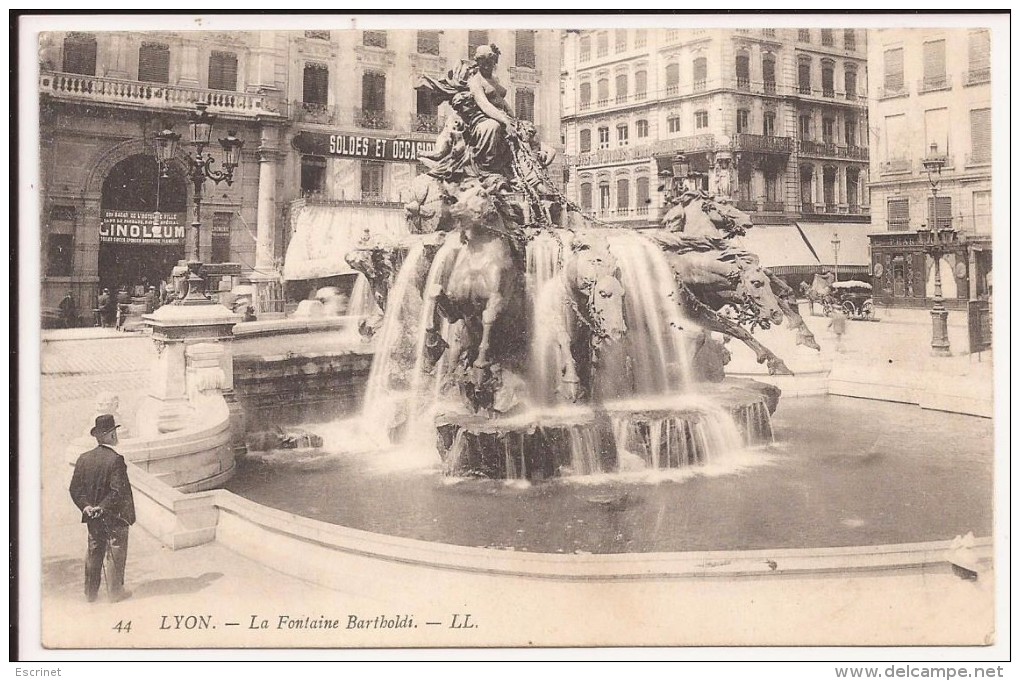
pixel 156 95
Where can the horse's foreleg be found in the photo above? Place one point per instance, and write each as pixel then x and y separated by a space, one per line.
pixel 570 382
pixel 711 320
pixel 788 304
pixel 493 309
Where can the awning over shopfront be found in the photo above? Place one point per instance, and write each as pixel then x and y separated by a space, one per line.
pixel 781 248
pixel 325 233
pixel 854 254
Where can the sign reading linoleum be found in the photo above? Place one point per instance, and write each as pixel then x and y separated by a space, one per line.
pixel 140 227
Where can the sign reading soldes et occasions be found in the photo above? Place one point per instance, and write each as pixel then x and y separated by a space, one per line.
pixel 361 147
pixel 140 227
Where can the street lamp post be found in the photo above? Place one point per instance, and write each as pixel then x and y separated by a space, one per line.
pixel 200 168
pixel 936 241
pixel 835 254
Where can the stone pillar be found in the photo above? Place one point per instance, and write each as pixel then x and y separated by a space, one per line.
pixel 86 252
pixel 266 279
pixel 189 66
pixel 819 187
pixel 841 197
pixel 972 273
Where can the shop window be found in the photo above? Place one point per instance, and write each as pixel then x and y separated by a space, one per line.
pixel 524 104
pixel 154 63
pixel 316 85
pixel 371 180
pixel 374 39
pixel 313 175
pixel 222 71
pixel 524 54
pixel 80 54
pixel 60 255
pixel 221 236
pixel 428 42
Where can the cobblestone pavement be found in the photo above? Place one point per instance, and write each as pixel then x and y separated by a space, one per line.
pixel 82 367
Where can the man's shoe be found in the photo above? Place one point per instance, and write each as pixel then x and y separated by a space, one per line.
pixel 121 595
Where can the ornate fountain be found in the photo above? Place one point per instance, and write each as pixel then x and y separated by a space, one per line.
pixel 529 341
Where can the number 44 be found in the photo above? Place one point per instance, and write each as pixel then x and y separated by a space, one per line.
pixel 123 627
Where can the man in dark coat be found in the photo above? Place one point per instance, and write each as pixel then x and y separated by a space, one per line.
pixel 107 308
pixel 101 491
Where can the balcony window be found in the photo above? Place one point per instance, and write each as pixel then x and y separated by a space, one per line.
pixel 621 88
pixel 893 60
pixel 604 202
pixel 804 35
pixel 934 65
pixel 584 141
pixel 524 52
pixel 768 74
pixel 220 237
pixel 804 77
pixel 621 40
pixel 80 54
pixel 828 130
pixel 743 120
pixel 603 91
pixel 374 39
pixel 743 69
pixel 898 214
pixel 372 179
pixel 640 84
pixel 428 42
pixel 313 175
pixel 829 189
pixel 317 35
pixel 622 135
pixel 978 57
pixel 640 37
pixel 672 79
pixel 768 127
pixel 827 37
pixel 642 128
pixel 602 44
pixel 744 184
pixel 673 124
pixel 804 127
pixel 584 49
pixel 700 73
pixel 622 196
pixel 475 40
pixel 586 203
pixel 641 187
pixel 222 71
pixel 849 40
pixel 585 95
pixel 373 91
pixel 850 83
pixel 700 120
pixel 828 79
pixel 850 131
pixel 980 135
pixel 853 189
pixel 603 138
pixel 771 187
pixel 524 104
pixel 60 255
pixel 807 200
pixel 316 85
pixel 154 63
pixel 769 32
pixel 426 117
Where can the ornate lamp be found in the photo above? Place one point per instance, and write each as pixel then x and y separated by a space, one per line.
pixel 231 154
pixel 167 143
pixel 936 239
pixel 200 123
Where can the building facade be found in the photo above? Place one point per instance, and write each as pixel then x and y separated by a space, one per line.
pixel 775 119
pixel 329 119
pixel 931 100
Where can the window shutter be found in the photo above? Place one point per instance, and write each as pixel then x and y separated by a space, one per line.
pixel 154 63
pixel 701 69
pixel 316 84
pixel 80 54
pixel 935 60
pixel 978 50
pixel 621 86
pixel 475 40
pixel 525 49
pixel 943 218
pixel 894 69
pixel 622 194
pixel 585 141
pixel 981 134
pixel 673 76
pixel 524 105
pixel 642 191
pixel 373 92
pixel 222 71
pixel 586 196
pixel 641 82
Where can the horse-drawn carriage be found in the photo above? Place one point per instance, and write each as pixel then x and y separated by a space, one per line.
pixel 852 297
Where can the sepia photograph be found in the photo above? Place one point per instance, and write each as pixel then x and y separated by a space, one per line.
pixel 513 331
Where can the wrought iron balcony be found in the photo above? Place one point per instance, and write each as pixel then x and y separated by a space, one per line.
pixel 768 144
pixel 894 90
pixel 313 112
pixel 71 86
pixel 934 83
pixel 424 123
pixel 975 76
pixel 373 119
pixel 743 84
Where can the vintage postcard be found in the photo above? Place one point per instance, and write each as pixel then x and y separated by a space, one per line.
pixel 524 331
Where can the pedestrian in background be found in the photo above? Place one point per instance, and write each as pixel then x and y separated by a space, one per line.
pixel 107 308
pixel 837 322
pixel 68 311
pixel 102 492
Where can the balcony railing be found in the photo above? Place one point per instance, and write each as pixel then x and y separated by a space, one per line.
pixel 424 123
pixel 975 76
pixel 807 207
pixel 603 51
pixel 584 56
pixel 934 83
pixel 743 83
pixel 584 106
pixel 641 210
pixel 762 143
pixel 769 87
pixel 373 119
pixel 604 101
pixel 772 206
pixel 810 148
pixel 312 112
pixel 831 208
pixel 699 85
pixel 155 95
pixel 672 90
pixel 978 159
pixel 829 93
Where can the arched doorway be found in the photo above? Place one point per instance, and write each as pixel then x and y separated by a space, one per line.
pixel 142 228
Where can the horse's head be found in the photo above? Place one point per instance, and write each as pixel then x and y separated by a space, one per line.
pixel 755 288
pixel 605 307
pixel 595 274
pixel 727 217
pixel 473 205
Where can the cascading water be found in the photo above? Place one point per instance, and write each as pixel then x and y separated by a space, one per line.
pixel 362 301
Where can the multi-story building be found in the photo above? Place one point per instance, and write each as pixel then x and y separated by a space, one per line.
pixel 775 119
pixel 331 123
pixel 932 99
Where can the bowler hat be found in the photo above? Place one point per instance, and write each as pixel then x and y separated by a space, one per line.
pixel 104 424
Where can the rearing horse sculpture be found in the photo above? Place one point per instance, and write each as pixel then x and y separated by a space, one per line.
pixel 482 284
